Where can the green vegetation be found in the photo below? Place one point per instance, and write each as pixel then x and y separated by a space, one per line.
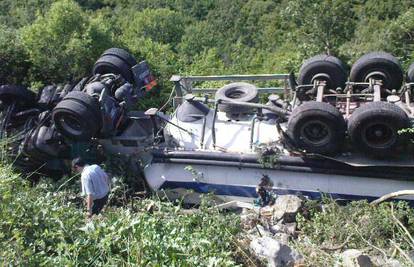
pixel 45 226
pixel 385 230
pixel 48 41
pixel 44 41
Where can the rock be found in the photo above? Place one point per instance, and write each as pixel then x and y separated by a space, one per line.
pixel 260 231
pixel 276 253
pixel 289 228
pixel 249 220
pixel 282 238
pixel 286 207
pixel 355 258
pixel 379 260
pixel 276 229
pixel 392 263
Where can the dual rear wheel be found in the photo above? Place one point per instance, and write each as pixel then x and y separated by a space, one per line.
pixel 318 127
pixel 373 129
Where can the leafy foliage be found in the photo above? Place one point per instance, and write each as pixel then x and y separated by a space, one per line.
pixel 375 229
pixel 14 67
pixel 59 41
pixel 44 225
pixel 63 44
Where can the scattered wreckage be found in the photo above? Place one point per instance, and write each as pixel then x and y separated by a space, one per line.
pixel 326 134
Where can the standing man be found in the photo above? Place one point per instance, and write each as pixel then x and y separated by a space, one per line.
pixel 95 185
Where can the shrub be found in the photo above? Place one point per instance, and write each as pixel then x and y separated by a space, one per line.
pixel 64 44
pixel 43 226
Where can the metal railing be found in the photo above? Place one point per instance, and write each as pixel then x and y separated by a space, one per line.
pixel 185 84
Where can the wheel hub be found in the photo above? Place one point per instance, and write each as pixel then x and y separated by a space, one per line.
pixel 316 132
pixel 379 135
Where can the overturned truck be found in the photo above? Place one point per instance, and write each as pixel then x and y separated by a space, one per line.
pixel 328 132
pixel 43 131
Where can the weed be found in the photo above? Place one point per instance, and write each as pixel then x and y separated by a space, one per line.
pixel 374 229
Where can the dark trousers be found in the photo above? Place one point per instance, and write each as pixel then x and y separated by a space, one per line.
pixel 98 204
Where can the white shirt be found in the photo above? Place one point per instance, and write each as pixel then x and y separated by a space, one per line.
pixel 94 181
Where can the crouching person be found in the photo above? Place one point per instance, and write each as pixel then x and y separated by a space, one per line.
pixel 95 185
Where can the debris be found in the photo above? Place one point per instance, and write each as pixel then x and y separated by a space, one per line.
pixel 264 190
pixel 355 258
pixel 392 195
pixel 276 253
pixel 150 207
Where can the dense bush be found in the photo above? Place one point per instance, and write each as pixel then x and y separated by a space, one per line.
pixel 13 58
pixel 58 41
pixel 64 44
pixel 377 230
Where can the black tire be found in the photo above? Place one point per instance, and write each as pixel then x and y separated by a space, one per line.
pixel 113 64
pixel 241 92
pixel 77 116
pixel 410 73
pixel 317 127
pixel 379 65
pixel 89 101
pixel 323 67
pixel 122 54
pixel 373 128
pixel 20 94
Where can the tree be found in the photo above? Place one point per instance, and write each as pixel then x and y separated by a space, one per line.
pixel 13 58
pixel 64 44
pixel 322 25
pixel 16 14
pixel 161 25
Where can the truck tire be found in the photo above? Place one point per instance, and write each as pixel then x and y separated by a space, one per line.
pixel 241 92
pixel 122 54
pixel 378 65
pixel 20 94
pixel 323 67
pixel 373 128
pixel 113 64
pixel 77 116
pixel 317 127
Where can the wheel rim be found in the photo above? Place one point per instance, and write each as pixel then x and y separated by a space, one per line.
pixel 379 135
pixel 316 133
pixel 70 124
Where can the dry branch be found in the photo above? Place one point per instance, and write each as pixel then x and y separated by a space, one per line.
pixel 392 195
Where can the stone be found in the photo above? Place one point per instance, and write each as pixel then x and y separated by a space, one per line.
pixel 282 238
pixel 276 229
pixel 355 258
pixel 379 260
pixel 276 253
pixel 289 228
pixel 249 220
pixel 261 231
pixel 393 263
pixel 286 207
